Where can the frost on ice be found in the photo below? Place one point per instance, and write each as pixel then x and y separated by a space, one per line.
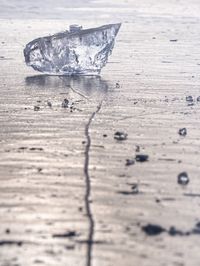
pixel 73 52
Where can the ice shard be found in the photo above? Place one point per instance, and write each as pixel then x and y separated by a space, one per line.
pixel 73 52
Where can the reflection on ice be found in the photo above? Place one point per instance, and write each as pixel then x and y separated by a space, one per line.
pixel 89 85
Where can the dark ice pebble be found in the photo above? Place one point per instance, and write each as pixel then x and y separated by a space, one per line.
pixel 39 169
pixel 133 191
pixel 117 85
pixel 196 230
pixel 173 40
pixel 183 178
pixel 137 149
pixel 189 98
pixel 70 247
pixel 182 131
pixel 68 234
pixel 157 200
pixel 129 162
pixel 49 104
pixel 65 103
pixel 175 232
pixel 36 149
pixel 10 242
pixel 198 99
pixel 22 148
pixel 141 158
pixel 36 108
pixel 153 229
pixel 135 188
pixel 119 135
pixel 198 225
pixel 127 193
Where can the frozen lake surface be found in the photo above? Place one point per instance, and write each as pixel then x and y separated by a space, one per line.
pixel 102 171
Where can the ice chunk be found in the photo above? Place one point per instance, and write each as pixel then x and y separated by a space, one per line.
pixel 73 52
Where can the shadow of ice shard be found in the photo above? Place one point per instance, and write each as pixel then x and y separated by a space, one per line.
pixel 74 52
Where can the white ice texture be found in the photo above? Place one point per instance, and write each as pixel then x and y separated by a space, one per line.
pixel 73 52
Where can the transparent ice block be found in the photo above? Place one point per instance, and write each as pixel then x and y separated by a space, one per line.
pixel 73 52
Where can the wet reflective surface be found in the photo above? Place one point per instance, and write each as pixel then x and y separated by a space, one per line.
pixel 52 156
pixel 88 85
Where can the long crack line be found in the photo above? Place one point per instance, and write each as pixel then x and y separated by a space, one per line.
pixel 90 239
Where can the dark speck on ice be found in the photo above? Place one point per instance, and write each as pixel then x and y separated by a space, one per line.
pixel 189 98
pixel 153 229
pixel 36 108
pixel 117 85
pixel 175 232
pixel 134 190
pixel 183 178
pixel 182 131
pixel 7 231
pixel 137 149
pixel 68 234
pixel 119 135
pixel 10 242
pixel 129 162
pixel 141 158
pixel 36 149
pixel 65 103
pixel 49 104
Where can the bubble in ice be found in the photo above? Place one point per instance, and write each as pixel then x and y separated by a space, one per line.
pixel 73 52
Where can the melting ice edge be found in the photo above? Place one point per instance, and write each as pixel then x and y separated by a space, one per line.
pixel 73 52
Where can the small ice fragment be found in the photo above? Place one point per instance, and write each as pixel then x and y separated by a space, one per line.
pixel 73 52
pixel 36 108
pixel 117 85
pixel 65 103
pixel 153 229
pixel 49 104
pixel 129 162
pixel 183 178
pixel 137 148
pixel 135 188
pixel 141 158
pixel 182 131
pixel 189 98
pixel 119 135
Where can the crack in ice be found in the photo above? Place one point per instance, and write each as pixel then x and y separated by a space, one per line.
pixel 90 239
